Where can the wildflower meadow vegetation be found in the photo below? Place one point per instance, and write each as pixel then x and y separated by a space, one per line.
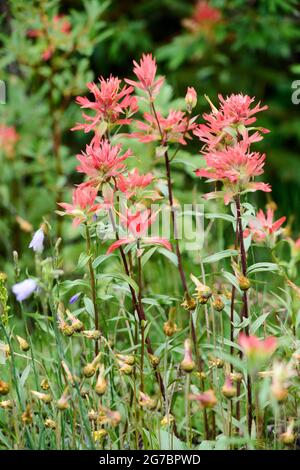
pixel 149 282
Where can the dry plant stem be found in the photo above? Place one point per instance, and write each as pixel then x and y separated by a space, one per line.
pixel 138 307
pixel 93 283
pixel 245 310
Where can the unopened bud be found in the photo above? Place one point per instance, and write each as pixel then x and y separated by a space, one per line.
pixel 125 368
pixel 187 364
pixel 146 402
pixel 228 390
pixel 101 385
pixel 288 437
pixel 190 98
pixel 167 420
pixel 75 322
pixel 128 359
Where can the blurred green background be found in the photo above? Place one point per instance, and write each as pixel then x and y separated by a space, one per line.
pixel 219 46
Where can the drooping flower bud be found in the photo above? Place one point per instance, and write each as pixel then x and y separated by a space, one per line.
pixel 146 402
pixel 24 346
pixel 92 334
pixel 187 364
pixel 281 375
pixel 101 384
pixel 44 397
pixel 170 326
pixel 90 369
pixel 206 399
pixel 288 437
pixel 107 416
pixel 128 359
pixel 62 403
pixel 228 389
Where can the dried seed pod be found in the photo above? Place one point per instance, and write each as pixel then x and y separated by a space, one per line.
pixel 92 334
pixel 27 416
pixel 218 304
pixel 189 303
pixel 50 423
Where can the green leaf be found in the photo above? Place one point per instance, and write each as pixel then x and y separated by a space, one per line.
pixel 121 277
pixel 220 255
pixel 83 260
pixel 100 259
pixel 260 267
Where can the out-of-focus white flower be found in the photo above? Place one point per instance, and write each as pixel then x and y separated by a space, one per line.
pixel 24 289
pixel 37 242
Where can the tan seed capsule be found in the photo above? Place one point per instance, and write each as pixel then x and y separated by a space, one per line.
pixel 4 388
pixel 101 385
pixel 125 368
pixel 89 370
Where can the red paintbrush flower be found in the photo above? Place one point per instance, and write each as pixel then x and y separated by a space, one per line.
pixel 173 128
pixel 228 124
pixel 133 182
pixel 137 225
pixel 83 204
pixel 263 225
pixel 112 104
pixel 146 74
pixel 234 167
pixel 255 348
pixel 102 161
